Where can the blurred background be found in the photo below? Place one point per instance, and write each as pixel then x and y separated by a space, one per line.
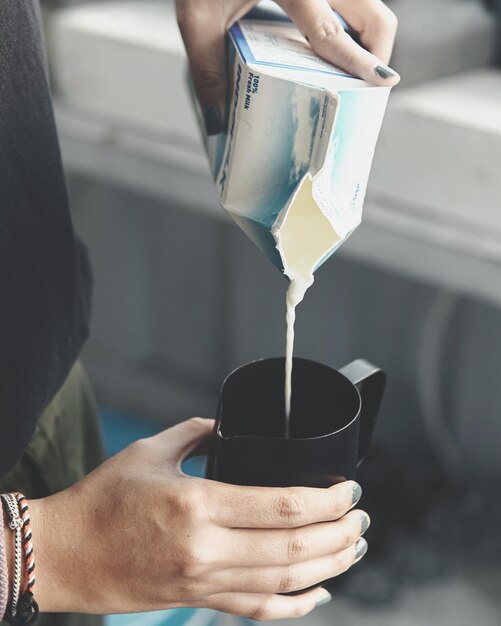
pixel 182 297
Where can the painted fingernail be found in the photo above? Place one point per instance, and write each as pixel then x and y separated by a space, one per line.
pixel 360 548
pixel 365 522
pixel 213 119
pixel 383 71
pixel 324 598
pixel 356 494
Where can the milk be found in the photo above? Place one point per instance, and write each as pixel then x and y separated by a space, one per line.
pixel 292 165
pixel 304 238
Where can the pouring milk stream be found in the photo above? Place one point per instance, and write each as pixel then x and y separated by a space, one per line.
pixel 303 240
pixel 292 166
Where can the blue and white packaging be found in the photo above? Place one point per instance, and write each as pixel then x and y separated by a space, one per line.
pixel 298 130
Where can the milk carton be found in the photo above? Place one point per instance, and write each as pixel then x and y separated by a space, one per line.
pixel 299 142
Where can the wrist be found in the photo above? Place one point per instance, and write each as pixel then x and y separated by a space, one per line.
pixel 18 553
pixel 55 578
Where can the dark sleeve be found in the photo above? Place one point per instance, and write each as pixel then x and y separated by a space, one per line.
pixel 44 272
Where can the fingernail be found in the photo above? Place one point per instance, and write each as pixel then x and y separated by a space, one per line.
pixel 356 494
pixel 324 598
pixel 213 119
pixel 365 522
pixel 383 71
pixel 360 548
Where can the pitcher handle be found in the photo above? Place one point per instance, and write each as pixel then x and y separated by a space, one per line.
pixel 370 382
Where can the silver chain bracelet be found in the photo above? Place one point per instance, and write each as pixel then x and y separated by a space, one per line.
pixel 15 524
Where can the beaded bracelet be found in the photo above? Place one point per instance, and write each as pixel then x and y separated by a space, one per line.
pixel 23 609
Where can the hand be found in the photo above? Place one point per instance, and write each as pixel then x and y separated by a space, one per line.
pixel 203 25
pixel 137 535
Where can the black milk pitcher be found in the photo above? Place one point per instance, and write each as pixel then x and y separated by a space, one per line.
pixel 333 414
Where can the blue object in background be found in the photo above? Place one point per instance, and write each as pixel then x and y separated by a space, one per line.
pixel 174 617
pixel 119 431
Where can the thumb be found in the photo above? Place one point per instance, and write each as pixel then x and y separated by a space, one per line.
pixel 178 442
pixel 202 26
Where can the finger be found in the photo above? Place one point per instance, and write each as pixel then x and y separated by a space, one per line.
pixel 374 22
pixel 232 506
pixel 292 577
pixel 266 606
pixel 257 547
pixel 175 444
pixel 326 36
pixel 203 27
pixel 202 449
